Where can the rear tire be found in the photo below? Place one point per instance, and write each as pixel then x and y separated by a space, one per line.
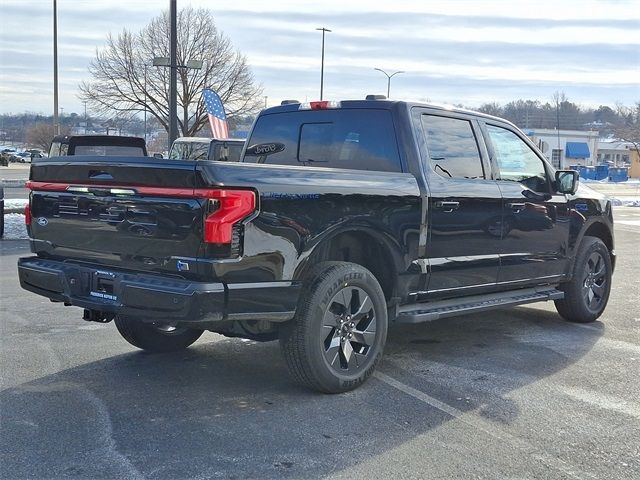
pixel 337 337
pixel 587 293
pixel 154 338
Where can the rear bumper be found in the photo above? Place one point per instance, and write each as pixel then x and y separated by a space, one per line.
pixel 156 296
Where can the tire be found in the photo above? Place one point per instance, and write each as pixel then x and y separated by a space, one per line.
pixel 154 338
pixel 587 293
pixel 338 334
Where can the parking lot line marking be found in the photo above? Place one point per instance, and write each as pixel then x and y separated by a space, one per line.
pixel 603 401
pixel 550 460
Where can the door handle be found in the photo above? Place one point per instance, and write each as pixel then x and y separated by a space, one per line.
pixel 517 207
pixel 448 206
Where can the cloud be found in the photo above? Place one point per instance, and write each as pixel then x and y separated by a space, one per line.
pixel 458 51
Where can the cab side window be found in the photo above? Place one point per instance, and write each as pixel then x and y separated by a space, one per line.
pixel 453 149
pixel 516 162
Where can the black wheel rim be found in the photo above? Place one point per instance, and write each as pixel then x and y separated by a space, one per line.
pixel 594 287
pixel 349 330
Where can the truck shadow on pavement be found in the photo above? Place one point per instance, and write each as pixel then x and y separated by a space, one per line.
pixel 228 408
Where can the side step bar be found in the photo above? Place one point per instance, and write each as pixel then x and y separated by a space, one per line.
pixel 426 312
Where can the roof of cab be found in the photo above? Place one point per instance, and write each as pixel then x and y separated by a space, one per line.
pixel 386 105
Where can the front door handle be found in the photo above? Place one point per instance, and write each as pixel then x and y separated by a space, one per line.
pixel 517 207
pixel 448 206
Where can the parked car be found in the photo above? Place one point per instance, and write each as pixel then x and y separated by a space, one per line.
pixel 202 148
pixel 342 219
pixel 23 157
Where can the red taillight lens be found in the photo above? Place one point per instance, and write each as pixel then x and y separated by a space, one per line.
pixel 233 206
pixel 27 214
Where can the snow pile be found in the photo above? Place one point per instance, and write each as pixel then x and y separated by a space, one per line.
pixel 625 201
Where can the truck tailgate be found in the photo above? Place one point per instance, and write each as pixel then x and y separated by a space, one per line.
pixel 136 213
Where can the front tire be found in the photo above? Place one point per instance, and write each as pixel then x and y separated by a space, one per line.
pixel 154 338
pixel 587 293
pixel 337 337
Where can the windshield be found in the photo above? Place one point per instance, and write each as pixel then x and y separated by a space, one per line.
pixel 189 151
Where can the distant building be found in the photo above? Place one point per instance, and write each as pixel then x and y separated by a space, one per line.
pixel 614 152
pixel 564 148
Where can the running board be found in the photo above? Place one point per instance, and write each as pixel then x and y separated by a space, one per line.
pixel 426 312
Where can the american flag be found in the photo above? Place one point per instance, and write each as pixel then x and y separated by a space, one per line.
pixel 217 117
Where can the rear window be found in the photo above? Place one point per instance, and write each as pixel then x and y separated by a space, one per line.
pixel 355 139
pixel 227 152
pixel 108 150
pixel 189 151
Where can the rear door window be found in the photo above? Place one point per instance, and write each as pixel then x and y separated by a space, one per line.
pixel 453 148
pixel 349 138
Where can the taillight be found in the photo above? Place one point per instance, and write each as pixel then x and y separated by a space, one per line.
pixel 27 214
pixel 319 105
pixel 231 207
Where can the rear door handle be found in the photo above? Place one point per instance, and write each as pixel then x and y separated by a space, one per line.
pixel 517 207
pixel 448 206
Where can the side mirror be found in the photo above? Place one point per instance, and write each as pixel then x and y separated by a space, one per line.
pixel 157 155
pixel 567 181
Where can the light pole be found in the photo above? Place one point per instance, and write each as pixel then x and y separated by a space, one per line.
pixel 173 74
pixel 323 30
pixel 389 78
pixel 173 99
pixel 85 116
pixel 56 124
pixel 145 103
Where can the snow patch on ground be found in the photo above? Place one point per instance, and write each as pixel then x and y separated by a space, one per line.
pixel 14 227
pixel 10 203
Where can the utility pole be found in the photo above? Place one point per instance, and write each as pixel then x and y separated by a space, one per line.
pixel 173 73
pixel 56 124
pixel 323 30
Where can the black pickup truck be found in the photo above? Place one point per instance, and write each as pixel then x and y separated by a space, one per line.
pixel 341 219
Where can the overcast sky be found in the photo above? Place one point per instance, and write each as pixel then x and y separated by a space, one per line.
pixel 464 51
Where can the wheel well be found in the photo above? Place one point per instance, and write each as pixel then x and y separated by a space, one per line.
pixel 600 231
pixel 363 249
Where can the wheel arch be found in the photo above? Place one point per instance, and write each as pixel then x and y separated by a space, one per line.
pixel 363 246
pixel 601 231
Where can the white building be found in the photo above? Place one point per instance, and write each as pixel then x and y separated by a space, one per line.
pixel 564 148
pixel 615 152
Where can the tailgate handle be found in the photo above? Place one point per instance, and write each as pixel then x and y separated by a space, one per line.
pixel 100 175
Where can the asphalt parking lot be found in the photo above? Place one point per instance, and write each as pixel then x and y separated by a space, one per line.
pixel 508 394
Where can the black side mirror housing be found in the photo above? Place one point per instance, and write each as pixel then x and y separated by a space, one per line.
pixel 157 155
pixel 567 181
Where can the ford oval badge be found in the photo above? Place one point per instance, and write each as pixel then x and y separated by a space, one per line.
pixel 43 222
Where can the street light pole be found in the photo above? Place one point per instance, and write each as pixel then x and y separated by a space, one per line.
pixel 389 78
pixel 323 30
pixel 173 73
pixel 56 124
pixel 145 103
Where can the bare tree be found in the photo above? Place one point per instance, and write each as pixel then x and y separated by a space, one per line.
pixel 40 135
pixel 630 130
pixel 124 80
